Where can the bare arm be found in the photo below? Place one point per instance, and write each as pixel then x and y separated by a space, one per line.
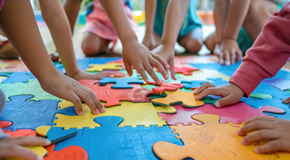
pixel 58 25
pixel 150 10
pixel 221 10
pixel 72 8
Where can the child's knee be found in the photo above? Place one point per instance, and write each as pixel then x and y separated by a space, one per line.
pixel 255 9
pixel 90 49
pixel 193 45
pixel 2 101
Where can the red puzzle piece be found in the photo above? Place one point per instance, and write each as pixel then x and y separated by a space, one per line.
pixel 4 124
pixel 237 113
pixel 113 96
pixel 21 132
pixel 166 87
pixel 186 70
pixel 71 152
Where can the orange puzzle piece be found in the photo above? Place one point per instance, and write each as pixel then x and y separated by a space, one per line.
pixel 211 140
pixel 178 96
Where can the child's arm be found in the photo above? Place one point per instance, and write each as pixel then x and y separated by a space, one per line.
pixel 175 15
pixel 275 131
pixel 14 147
pixel 18 23
pixel 134 53
pixel 229 49
pixel 57 22
pixel 72 8
pixel 263 60
pixel 150 10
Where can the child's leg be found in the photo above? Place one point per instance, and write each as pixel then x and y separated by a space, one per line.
pixel 7 51
pixel 192 42
pixel 210 41
pixel 93 44
pixel 258 14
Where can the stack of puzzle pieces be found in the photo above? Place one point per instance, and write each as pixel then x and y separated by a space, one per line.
pixel 142 121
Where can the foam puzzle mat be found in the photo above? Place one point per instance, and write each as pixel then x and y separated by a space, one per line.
pixel 142 121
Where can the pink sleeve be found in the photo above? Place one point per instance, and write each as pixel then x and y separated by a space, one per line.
pixel 268 54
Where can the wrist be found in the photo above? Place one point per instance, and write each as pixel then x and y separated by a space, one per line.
pixel 168 45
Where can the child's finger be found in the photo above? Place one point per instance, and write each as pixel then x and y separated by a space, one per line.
pixel 225 101
pixel 157 65
pixel 239 55
pixel 16 151
pixel 161 60
pixel 233 56
pixel 221 58
pixel 276 145
pixel 227 58
pixel 260 136
pixel 97 102
pixel 286 100
pixel 142 72
pixel 151 72
pixel 85 97
pixel 77 103
pixel 128 68
pixel 29 141
pixel 172 70
pixel 203 87
pixel 260 118
pixel 207 92
pixel 256 125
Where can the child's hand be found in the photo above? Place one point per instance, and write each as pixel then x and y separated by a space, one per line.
pixel 13 147
pixel 69 89
pixel 149 41
pixel 229 52
pixel 230 92
pixel 137 55
pixel 274 130
pixel 85 75
pixel 167 53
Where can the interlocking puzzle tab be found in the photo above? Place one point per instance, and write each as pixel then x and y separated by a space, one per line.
pixel 134 114
pixel 186 98
pixel 121 83
pixel 101 67
pixel 55 134
pixel 166 86
pixel 236 113
pixel 211 140
pixel 113 96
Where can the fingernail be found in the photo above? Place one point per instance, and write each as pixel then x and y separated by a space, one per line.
pixel 97 111
pixel 103 109
pixel 81 113
pixel 47 142
pixel 217 104
pixel 244 142
pixel 39 158
pixel 257 150
pixel 130 74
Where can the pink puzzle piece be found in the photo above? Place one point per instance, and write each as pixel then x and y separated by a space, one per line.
pixel 186 70
pixel 166 87
pixel 236 114
pixel 113 96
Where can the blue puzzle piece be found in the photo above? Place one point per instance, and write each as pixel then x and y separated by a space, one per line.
pixel 70 111
pixel 283 75
pixel 121 83
pixel 113 142
pixel 15 77
pixel 191 84
pixel 57 134
pixel 25 114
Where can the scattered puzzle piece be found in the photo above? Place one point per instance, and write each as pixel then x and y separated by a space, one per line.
pixel 113 96
pixel 186 70
pixel 108 66
pixel 186 98
pixel 261 96
pixel 166 86
pixel 279 83
pixel 32 87
pixel 211 141
pixel 121 83
pixel 21 132
pixel 113 142
pixel 4 124
pixel 27 114
pixel 134 114
pixel 68 153
pixel 236 114
pixel 192 84
pixel 203 75
pixel 12 66
pixel 14 77
pixel 55 134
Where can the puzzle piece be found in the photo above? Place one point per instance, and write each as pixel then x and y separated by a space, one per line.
pixel 236 114
pixel 27 114
pixel 134 114
pixel 186 98
pixel 203 75
pixel 185 60
pixel 32 87
pixel 12 66
pixel 55 134
pixel 14 77
pixel 68 153
pixel 121 83
pixel 261 96
pixel 2 78
pixel 113 96
pixel 115 73
pixel 113 142
pixel 21 132
pixel 279 83
pixel 166 86
pixel 186 70
pixel 101 67
pixel 4 124
pixel 192 84
pixel 211 141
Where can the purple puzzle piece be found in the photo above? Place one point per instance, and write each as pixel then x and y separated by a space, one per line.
pixel 279 83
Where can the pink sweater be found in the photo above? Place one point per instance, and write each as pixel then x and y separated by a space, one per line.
pixel 269 53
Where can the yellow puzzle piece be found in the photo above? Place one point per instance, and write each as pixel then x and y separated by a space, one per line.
pixel 212 140
pixel 133 113
pixel 173 97
pixel 101 67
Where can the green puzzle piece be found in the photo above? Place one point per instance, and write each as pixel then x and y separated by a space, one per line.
pixel 32 87
pixel 261 96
